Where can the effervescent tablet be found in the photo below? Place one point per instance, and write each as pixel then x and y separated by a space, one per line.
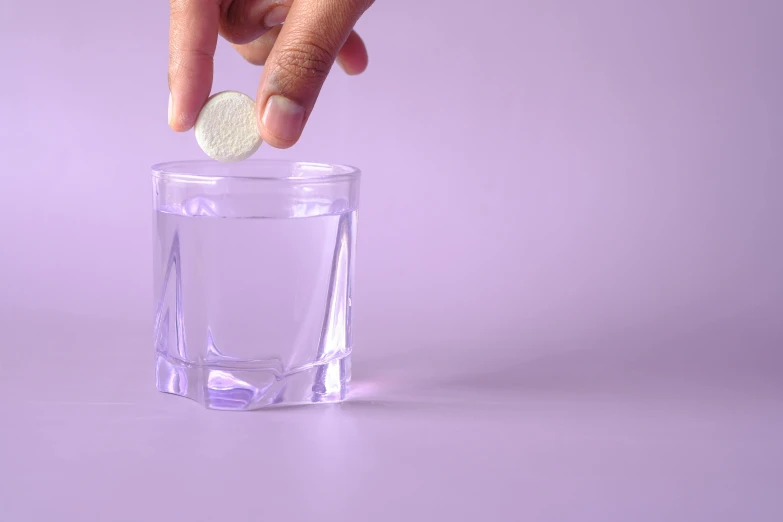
pixel 226 128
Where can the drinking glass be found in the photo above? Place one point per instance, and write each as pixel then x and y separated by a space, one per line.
pixel 253 276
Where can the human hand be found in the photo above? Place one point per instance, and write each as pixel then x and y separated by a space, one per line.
pixel 297 55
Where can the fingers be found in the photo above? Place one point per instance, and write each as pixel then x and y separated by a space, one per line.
pixel 352 58
pixel 257 51
pixel 243 21
pixel 193 35
pixel 300 60
pixel 298 55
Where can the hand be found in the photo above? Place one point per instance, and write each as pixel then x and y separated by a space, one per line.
pixel 297 55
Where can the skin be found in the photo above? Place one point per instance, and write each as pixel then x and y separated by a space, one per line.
pixel 297 55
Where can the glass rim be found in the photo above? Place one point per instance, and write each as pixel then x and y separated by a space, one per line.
pixel 201 170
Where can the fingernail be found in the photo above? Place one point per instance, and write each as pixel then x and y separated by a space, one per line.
pixel 283 118
pixel 276 16
pixel 171 108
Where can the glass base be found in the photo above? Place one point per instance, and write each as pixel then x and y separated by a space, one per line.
pixel 223 388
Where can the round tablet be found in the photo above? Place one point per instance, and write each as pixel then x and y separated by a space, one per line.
pixel 226 128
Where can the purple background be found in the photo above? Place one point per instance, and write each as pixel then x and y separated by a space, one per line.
pixel 569 300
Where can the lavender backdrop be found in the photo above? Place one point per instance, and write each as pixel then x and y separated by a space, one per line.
pixel 569 290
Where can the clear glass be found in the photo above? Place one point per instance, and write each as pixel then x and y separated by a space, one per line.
pixel 253 274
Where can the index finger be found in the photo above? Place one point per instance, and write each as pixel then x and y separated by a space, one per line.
pixel 193 34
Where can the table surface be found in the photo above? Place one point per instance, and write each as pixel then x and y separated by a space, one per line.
pixel 624 428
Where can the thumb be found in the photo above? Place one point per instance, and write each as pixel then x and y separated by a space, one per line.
pixel 311 37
